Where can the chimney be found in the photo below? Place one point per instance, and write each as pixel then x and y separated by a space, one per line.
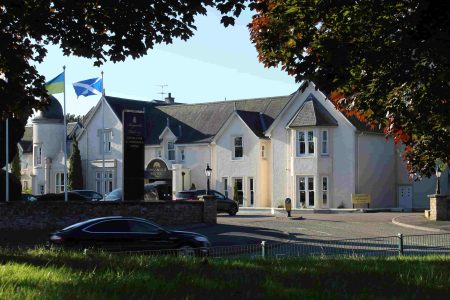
pixel 169 99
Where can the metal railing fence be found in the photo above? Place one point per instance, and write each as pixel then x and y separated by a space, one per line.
pixel 377 246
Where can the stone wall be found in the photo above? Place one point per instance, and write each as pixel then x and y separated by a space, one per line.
pixel 439 208
pixel 56 215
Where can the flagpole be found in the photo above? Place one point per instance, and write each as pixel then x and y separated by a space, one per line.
pixel 103 137
pixel 65 138
pixel 7 160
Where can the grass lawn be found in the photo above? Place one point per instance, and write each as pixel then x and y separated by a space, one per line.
pixel 43 274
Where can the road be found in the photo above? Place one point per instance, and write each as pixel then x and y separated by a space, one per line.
pixel 251 229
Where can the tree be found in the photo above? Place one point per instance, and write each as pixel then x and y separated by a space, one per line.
pixel 15 165
pixel 75 176
pixel 385 62
pixel 97 29
pixel 73 118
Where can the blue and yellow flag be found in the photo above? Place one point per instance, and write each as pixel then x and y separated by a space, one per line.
pixel 56 85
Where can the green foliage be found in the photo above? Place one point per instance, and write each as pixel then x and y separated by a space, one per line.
pixel 384 62
pixel 99 30
pixel 47 274
pixel 75 176
pixel 15 164
pixel 27 191
pixel 73 118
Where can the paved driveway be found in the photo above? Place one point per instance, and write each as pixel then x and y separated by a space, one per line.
pixel 252 229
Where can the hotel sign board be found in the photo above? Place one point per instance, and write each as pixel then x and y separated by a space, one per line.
pixel 361 198
pixel 133 154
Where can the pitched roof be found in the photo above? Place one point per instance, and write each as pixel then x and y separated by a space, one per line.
pixel 199 123
pixel 312 113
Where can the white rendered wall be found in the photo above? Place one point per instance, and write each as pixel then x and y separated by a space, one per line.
pixel 376 169
pixel 90 142
pixel 339 165
pixel 245 168
pixel 50 136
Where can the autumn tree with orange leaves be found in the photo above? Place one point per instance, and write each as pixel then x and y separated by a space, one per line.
pixel 386 62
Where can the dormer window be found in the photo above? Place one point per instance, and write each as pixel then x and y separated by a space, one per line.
pixel 171 151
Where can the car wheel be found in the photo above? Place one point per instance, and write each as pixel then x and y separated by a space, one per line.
pixel 233 210
pixel 186 250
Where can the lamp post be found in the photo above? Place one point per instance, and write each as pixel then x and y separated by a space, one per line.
pixel 208 171
pixel 438 182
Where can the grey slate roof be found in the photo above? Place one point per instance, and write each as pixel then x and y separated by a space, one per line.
pixel 312 113
pixel 52 112
pixel 27 141
pixel 199 123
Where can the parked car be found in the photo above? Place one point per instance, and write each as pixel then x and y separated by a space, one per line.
pixel 29 197
pixel 71 196
pixel 114 195
pixel 152 192
pixel 224 204
pixel 89 195
pixel 127 234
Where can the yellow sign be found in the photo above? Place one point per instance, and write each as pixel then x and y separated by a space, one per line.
pixel 361 198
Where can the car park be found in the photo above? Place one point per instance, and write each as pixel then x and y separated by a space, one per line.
pixel 127 234
pixel 224 204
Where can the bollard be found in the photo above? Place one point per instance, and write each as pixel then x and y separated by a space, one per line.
pixel 263 249
pixel 288 206
pixel 400 244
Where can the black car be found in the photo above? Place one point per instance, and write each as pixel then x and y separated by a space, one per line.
pixel 224 204
pixel 89 195
pixel 127 234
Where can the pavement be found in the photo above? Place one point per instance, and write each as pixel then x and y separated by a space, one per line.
pixel 419 222
pixel 247 228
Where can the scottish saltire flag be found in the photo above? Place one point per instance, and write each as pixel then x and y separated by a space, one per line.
pixel 56 85
pixel 88 87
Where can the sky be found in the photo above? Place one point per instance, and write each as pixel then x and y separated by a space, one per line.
pixel 216 64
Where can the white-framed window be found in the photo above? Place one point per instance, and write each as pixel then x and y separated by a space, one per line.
pixel 324 136
pixel 37 155
pixel 158 153
pixel 225 186
pixel 306 191
pixel 305 143
pixel 325 185
pixel 107 141
pixel 182 154
pixel 170 150
pixel 59 183
pixel 263 151
pixel 238 147
pixel 107 183
pixel 41 189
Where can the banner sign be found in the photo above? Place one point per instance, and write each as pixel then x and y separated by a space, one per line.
pixel 133 154
pixel 361 198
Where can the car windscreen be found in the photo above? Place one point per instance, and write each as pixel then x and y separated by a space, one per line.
pixel 115 194
pixel 75 225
